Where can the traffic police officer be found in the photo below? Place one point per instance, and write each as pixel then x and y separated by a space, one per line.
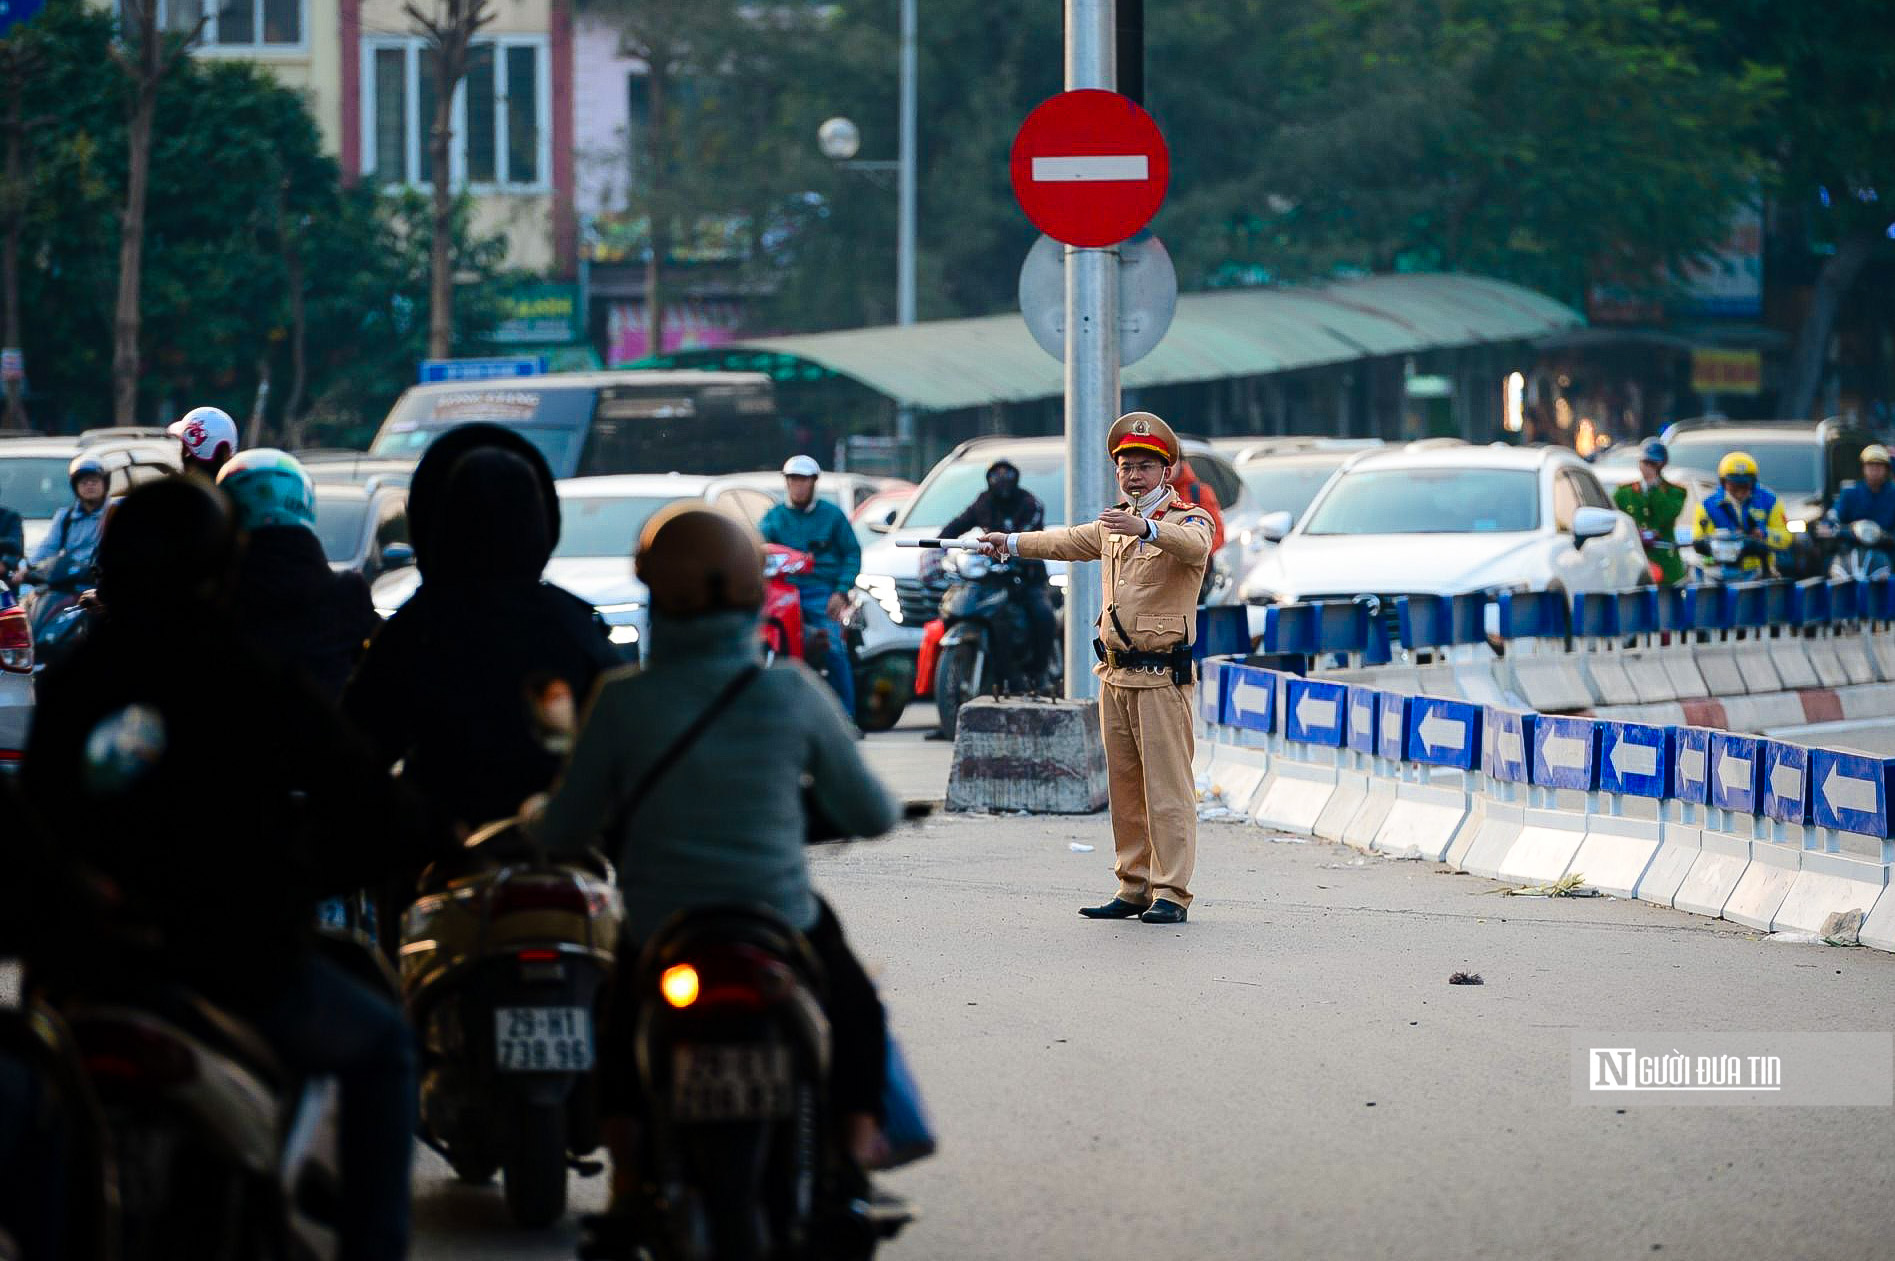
pixel 1154 546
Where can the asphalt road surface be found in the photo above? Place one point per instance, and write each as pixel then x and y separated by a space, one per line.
pixel 1290 1074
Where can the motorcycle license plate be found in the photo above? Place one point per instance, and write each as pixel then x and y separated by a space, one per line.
pixel 731 1083
pixel 542 1039
pixel 1725 551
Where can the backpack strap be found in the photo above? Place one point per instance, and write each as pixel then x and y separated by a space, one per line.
pixel 679 747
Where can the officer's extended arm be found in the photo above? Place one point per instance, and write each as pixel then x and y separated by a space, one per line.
pixel 1188 539
pixel 1075 542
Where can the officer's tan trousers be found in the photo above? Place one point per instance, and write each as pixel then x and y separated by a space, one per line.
pixel 1148 744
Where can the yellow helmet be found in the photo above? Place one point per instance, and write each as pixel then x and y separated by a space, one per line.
pixel 1875 453
pixel 1737 464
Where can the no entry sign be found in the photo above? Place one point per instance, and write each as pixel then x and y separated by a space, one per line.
pixel 1090 168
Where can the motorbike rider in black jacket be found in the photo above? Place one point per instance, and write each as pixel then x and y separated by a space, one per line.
pixel 288 603
pixel 451 685
pixel 222 798
pixel 1007 507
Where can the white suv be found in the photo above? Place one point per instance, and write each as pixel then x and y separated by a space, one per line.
pixel 1445 519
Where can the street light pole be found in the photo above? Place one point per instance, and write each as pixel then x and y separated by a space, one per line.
pixel 905 228
pixel 1092 350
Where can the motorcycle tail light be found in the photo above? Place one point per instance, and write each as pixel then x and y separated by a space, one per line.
pixel 679 985
pixel 133 1055
pixel 16 642
pixel 539 895
pixel 736 976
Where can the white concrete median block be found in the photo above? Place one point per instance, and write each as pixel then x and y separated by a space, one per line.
pixel 1422 821
pixel 1763 886
pixel 1877 700
pixel 1360 831
pixel 1616 854
pixel 1677 854
pixel 1882 652
pixel 1723 673
pixel 1610 681
pixel 1649 678
pixel 1236 773
pixel 1826 659
pixel 1826 885
pixel 1853 652
pixel 1878 928
pixel 1491 841
pixel 1545 847
pixel 1477 806
pixel 1042 756
pixel 1352 789
pixel 1755 668
pixel 1550 684
pixel 1293 797
pixel 1766 712
pixel 1687 679
pixel 1720 864
pixel 1792 664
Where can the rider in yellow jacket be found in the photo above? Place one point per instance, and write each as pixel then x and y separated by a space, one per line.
pixel 1741 506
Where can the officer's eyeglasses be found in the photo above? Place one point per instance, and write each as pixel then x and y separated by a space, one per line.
pixel 1149 468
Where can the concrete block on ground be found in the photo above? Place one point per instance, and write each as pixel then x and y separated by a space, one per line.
pixel 1764 712
pixel 1352 789
pixel 1723 674
pixel 1853 652
pixel 1826 660
pixel 1882 652
pixel 1755 666
pixel 1649 678
pixel 1236 773
pixel 1293 797
pixel 1359 832
pixel 1876 700
pixel 1677 854
pixel 1830 884
pixel 1545 847
pixel 1477 682
pixel 1687 680
pixel 1422 821
pixel 1616 854
pixel 1439 679
pixel 1878 928
pixel 1550 684
pixel 1763 886
pixel 1042 756
pixel 1610 681
pixel 1720 864
pixel 1484 851
pixel 1792 664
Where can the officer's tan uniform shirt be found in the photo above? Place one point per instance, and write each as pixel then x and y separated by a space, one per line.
pixel 1144 716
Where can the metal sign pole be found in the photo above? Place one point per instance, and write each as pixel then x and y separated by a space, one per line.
pixel 905 227
pixel 1092 352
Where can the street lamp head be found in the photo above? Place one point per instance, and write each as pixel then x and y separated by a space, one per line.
pixel 838 139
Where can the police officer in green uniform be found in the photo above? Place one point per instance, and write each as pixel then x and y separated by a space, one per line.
pixel 1655 505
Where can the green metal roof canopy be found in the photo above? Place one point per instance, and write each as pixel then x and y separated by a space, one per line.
pixel 943 365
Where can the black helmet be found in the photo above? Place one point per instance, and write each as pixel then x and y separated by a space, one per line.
pixel 85 466
pixel 1003 478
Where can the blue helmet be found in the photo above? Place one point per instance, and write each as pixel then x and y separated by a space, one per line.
pixel 1655 452
pixel 269 487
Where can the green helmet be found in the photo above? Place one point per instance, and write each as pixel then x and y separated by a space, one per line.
pixel 269 487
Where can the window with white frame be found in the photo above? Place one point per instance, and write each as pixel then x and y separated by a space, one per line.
pixel 233 23
pixel 501 138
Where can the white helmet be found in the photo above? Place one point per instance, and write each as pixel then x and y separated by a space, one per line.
pixel 203 430
pixel 801 466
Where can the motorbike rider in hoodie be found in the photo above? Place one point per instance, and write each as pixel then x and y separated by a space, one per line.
pixel 726 822
pixel 289 604
pixel 222 798
pixel 1010 508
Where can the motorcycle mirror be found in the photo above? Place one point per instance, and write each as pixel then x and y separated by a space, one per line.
pixel 1275 525
pixel 398 555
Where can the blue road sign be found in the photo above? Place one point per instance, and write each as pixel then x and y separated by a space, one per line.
pixel 1391 717
pixel 1211 691
pixel 1851 791
pixel 1291 628
pixel 1443 732
pixel 1362 711
pixel 498 368
pixel 1250 697
pixel 1566 752
pixel 13 12
pixel 1691 769
pixel 1313 711
pixel 1510 744
pixel 1635 759
pixel 1785 782
pixel 1734 769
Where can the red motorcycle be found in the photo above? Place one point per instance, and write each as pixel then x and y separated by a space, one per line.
pixel 782 605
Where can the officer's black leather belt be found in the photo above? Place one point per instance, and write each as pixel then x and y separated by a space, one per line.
pixel 1175 661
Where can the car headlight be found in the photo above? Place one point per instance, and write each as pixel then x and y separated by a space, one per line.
pixel 970 565
pixel 881 589
pixel 1798 526
pixel 1057 580
pixel 622 634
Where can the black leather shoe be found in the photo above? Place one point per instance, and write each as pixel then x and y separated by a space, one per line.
pixel 1117 908
pixel 1164 911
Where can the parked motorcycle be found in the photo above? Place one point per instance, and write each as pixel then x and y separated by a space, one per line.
pixel 503 960
pixel 985 641
pixel 55 612
pixel 1860 550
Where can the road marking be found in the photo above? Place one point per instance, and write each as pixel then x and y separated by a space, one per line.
pixel 1634 759
pixel 1092 168
pixel 1846 792
pixel 1566 752
pixel 1786 782
pixel 1734 774
pixel 1313 711
pixel 1691 765
pixel 1443 733
pixel 1250 699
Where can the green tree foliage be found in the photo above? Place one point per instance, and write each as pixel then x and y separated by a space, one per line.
pixel 238 180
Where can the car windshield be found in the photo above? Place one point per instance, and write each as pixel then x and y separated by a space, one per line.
pixel 1430 501
pixel 1272 485
pixel 600 525
pixel 959 483
pixel 408 443
pixel 339 526
pixel 1786 466
pixel 34 486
